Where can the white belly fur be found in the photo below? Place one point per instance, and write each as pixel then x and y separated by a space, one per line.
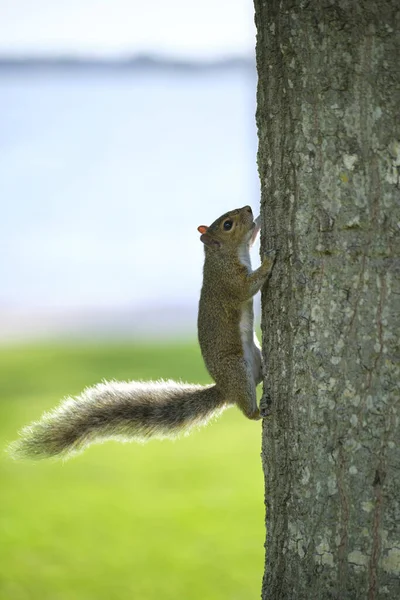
pixel 247 332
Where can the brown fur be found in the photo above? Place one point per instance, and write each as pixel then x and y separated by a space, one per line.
pixel 138 410
pixel 118 410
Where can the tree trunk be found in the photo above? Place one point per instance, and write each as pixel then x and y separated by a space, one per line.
pixel 329 163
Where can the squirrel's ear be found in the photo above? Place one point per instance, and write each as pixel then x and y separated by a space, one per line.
pixel 209 241
pixel 202 228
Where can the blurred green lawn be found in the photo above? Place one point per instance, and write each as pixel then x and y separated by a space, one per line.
pixel 181 519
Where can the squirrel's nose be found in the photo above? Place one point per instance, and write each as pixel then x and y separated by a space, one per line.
pixel 248 209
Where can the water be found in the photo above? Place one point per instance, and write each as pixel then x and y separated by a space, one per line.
pixel 104 178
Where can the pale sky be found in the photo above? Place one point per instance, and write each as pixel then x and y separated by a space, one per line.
pixel 192 28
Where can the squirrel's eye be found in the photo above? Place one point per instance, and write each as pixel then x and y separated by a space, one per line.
pixel 228 224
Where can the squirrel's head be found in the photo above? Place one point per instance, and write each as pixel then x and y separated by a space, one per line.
pixel 233 229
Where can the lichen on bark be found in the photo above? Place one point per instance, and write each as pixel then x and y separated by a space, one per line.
pixel 328 107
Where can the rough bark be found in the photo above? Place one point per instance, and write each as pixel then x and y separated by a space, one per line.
pixel 328 121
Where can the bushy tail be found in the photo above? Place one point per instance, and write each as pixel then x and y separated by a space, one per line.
pixel 124 411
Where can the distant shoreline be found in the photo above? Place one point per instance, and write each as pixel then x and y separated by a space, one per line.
pixel 130 63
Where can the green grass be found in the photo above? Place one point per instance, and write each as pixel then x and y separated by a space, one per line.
pixel 181 519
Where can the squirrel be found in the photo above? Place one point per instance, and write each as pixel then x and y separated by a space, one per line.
pixel 138 410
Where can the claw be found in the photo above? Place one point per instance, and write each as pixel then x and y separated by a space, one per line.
pixel 265 405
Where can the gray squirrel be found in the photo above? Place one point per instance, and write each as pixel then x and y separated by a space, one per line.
pixel 139 410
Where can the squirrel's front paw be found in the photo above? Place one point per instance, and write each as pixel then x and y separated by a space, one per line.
pixel 269 261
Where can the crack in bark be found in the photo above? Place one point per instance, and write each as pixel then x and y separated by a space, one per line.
pixel 376 542
pixel 344 519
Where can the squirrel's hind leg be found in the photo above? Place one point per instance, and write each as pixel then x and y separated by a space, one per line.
pixel 258 370
pixel 241 388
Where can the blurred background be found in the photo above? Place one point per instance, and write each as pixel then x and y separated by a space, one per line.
pixel 123 126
